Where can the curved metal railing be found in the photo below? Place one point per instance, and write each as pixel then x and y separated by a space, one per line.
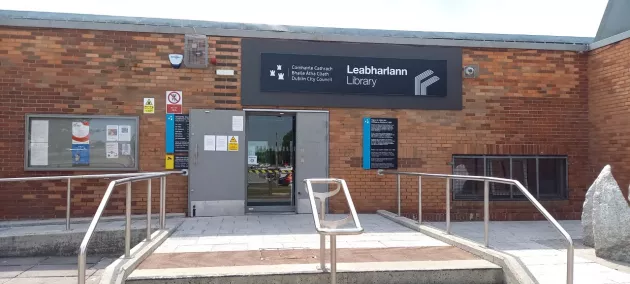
pixel 101 207
pixel 331 227
pixel 486 206
pixel 68 180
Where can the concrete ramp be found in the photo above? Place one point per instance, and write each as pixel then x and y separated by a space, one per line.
pixel 284 249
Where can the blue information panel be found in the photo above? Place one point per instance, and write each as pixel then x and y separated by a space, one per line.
pixel 177 139
pixel 380 143
pixel 170 133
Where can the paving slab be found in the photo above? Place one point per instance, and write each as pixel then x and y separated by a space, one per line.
pixel 284 232
pixel 41 270
pixel 542 250
pixel 21 260
pixel 13 271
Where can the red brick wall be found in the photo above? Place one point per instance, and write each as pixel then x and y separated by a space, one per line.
pixel 94 72
pixel 524 102
pixel 609 110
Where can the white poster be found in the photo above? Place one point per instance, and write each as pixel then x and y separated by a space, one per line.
pixel 111 148
pixel 112 133
pixel 81 132
pixel 209 142
pixel 222 143
pixel 252 160
pixel 39 131
pixel 126 149
pixel 237 123
pixel 124 133
pixel 39 154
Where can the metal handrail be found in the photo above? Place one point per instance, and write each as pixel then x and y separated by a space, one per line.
pixel 330 228
pixel 486 206
pixel 69 183
pixel 101 207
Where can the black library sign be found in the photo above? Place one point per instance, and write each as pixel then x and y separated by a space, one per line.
pixel 380 143
pixel 181 133
pixel 352 75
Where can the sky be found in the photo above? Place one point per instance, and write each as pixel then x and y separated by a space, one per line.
pixel 534 17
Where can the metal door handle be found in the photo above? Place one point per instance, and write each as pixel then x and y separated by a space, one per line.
pixel 196 153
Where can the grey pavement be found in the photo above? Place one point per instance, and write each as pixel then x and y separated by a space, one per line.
pixel 539 246
pixel 256 232
pixel 44 270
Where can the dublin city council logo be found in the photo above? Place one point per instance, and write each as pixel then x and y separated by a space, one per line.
pixel 272 73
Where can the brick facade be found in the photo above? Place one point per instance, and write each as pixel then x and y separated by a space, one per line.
pixel 523 102
pixel 609 110
pixel 96 72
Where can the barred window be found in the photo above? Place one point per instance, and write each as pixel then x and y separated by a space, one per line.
pixel 545 177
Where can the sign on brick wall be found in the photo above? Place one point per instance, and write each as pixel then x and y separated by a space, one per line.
pixel 177 139
pixel 296 73
pixel 174 102
pixel 352 75
pixel 380 143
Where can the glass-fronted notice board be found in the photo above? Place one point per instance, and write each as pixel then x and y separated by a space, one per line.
pixel 81 142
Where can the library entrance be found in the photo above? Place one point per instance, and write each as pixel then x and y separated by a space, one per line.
pixel 268 154
pixel 271 162
pixel 283 148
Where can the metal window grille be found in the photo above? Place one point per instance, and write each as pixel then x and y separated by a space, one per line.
pixel 196 51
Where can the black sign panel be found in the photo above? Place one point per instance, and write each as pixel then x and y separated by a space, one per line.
pixel 181 162
pixel 181 134
pixel 383 139
pixel 352 75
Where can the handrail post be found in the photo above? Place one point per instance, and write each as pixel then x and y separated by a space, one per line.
pixel 162 200
pixel 448 205
pixel 398 192
pixel 322 239
pixel 128 222
pixel 68 201
pixel 570 261
pixel 149 210
pixel 333 259
pixel 419 200
pixel 486 212
pixel 81 267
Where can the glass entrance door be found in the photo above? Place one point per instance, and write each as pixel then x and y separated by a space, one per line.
pixel 271 162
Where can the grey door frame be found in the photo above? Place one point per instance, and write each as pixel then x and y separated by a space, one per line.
pixel 293 208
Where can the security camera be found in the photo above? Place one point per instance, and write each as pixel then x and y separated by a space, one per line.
pixel 469 70
pixel 176 60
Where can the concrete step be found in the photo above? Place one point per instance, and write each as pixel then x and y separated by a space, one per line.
pixel 50 237
pixel 407 272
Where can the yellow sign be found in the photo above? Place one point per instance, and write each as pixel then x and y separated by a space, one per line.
pixel 149 105
pixel 233 144
pixel 169 162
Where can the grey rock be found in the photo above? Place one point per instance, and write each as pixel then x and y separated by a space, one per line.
pixel 587 208
pixel 611 219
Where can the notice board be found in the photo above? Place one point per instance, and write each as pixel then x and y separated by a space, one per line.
pixel 380 143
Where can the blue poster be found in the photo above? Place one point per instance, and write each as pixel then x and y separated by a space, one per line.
pixel 170 133
pixel 367 134
pixel 80 154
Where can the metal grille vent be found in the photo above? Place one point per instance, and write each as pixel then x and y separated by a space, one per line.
pixel 196 51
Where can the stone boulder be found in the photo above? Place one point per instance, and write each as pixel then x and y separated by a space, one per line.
pixel 611 219
pixel 587 209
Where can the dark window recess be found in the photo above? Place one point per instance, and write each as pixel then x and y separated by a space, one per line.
pixel 545 177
